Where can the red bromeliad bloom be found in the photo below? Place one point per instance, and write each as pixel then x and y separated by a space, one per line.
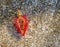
pixel 21 24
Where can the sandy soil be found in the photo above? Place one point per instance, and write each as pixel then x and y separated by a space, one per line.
pixel 43 31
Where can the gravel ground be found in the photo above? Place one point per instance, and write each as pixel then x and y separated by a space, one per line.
pixel 43 31
pixel 44 23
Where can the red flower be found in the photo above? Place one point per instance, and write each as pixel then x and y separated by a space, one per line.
pixel 21 24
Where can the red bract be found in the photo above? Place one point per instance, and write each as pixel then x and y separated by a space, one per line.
pixel 21 24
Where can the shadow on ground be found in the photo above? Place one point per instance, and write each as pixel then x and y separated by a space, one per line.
pixel 13 31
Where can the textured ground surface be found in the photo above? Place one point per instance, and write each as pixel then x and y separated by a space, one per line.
pixel 43 31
